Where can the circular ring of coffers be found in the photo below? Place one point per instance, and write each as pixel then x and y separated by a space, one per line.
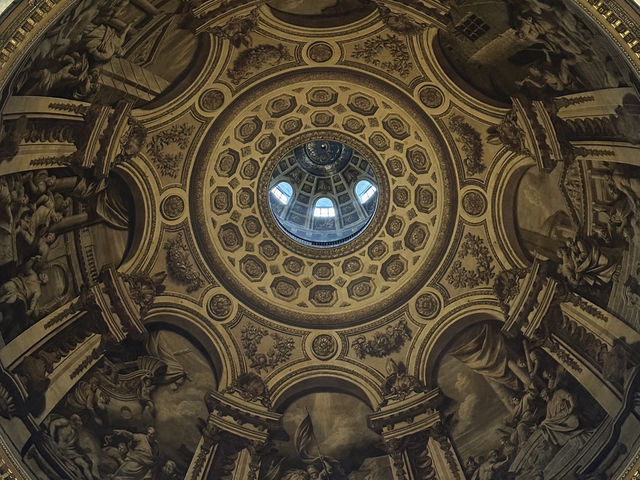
pixel 389 262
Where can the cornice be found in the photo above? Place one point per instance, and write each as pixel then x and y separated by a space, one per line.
pixel 617 19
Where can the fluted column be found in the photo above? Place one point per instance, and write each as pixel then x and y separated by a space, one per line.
pixel 444 457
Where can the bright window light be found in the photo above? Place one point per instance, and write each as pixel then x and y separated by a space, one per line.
pixel 364 190
pixel 324 208
pixel 283 192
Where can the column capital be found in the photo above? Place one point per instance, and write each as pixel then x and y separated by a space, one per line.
pixel 525 296
pixel 244 410
pixel 407 408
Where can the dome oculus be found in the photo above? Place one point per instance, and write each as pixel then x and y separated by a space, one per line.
pixel 323 193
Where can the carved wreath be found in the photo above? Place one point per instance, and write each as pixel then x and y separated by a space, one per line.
pixel 166 162
pixel 279 352
pixel 471 144
pixel 383 343
pixel 179 264
pixel 461 277
pixel 372 49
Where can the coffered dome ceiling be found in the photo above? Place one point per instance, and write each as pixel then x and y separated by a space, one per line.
pixel 347 240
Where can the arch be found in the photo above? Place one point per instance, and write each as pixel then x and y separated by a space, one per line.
pixel 144 192
pixel 343 380
pixel 463 314
pixel 324 207
pixel 365 191
pixel 504 183
pixel 224 362
pixel 283 191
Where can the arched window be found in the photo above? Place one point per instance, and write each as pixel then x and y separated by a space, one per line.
pixel 324 208
pixel 283 192
pixel 365 190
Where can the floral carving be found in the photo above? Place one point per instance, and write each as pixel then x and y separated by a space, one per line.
pixel 428 305
pixel 383 343
pixel 431 97
pixel 474 203
pixel 320 52
pixel 211 100
pixel 253 59
pixel 168 160
pixel 219 306
pixel 179 264
pixel 461 277
pixel 172 207
pixel 371 52
pixel 471 144
pixel 507 286
pixel 324 346
pixel 278 353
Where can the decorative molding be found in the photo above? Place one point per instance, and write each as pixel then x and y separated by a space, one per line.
pixel 400 23
pixel 324 346
pixel 474 203
pixel 219 307
pixel 399 385
pixel 431 96
pixel 554 347
pixel 211 100
pixel 251 387
pixel 445 445
pixel 144 288
pixel 320 52
pixel 238 29
pixel 27 20
pixel 428 306
pixel 623 24
pixel 172 207
pixel 86 362
pixel 507 286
